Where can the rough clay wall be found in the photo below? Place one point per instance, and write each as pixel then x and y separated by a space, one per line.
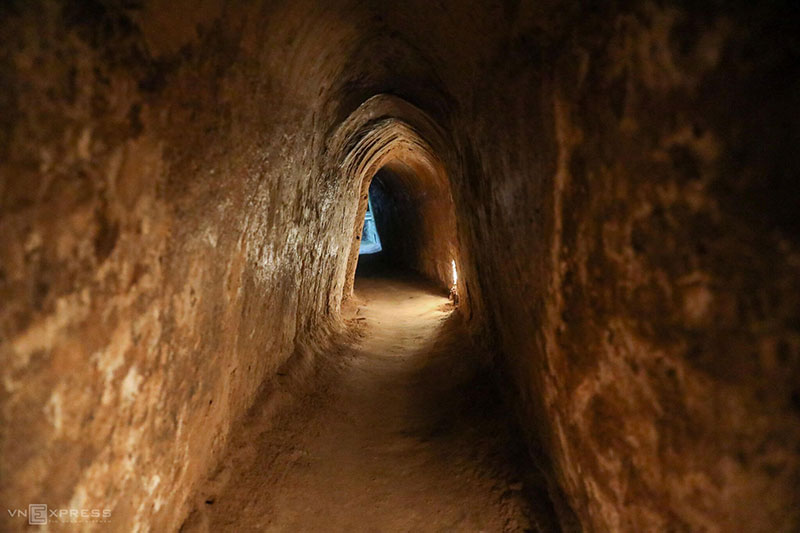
pixel 630 196
pixel 623 181
pixel 166 239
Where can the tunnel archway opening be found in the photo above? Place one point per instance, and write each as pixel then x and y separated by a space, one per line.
pixel 411 208
pixel 413 213
pixel 395 151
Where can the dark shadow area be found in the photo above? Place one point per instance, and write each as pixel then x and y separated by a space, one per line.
pixel 379 266
pixel 407 206
pixel 396 211
pixel 373 266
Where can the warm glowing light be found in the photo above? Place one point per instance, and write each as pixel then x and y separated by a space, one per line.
pixel 455 273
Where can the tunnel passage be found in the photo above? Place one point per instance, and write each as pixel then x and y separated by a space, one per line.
pixel 395 152
pixel 179 204
pixel 415 218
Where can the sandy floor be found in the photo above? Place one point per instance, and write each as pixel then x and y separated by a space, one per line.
pixel 400 432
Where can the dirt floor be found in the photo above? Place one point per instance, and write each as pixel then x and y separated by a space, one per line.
pixel 399 430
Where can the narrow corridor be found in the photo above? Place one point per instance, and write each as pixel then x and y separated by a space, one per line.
pixel 602 199
pixel 404 434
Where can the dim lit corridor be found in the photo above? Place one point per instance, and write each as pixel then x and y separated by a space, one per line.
pixel 406 434
pixel 368 266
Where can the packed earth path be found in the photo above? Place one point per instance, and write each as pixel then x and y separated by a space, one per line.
pixel 401 430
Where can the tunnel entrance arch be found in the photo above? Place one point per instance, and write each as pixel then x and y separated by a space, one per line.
pixel 398 144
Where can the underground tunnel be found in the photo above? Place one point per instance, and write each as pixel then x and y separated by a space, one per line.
pixel 351 265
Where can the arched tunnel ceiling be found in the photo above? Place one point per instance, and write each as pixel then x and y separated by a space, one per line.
pixel 388 132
